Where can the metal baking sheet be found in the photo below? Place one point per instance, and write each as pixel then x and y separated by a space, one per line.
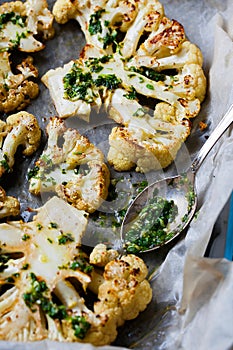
pixel 66 45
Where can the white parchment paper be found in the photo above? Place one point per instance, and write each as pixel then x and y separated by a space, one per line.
pixel 192 307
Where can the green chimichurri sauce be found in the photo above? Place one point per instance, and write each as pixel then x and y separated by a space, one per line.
pixel 151 228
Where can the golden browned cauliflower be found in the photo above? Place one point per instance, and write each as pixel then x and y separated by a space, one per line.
pixel 74 170
pixel 135 59
pixel 46 276
pixel 20 129
pixel 21 21
pixel 16 91
pixel 9 206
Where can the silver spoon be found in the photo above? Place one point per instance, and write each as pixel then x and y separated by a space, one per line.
pixel 180 189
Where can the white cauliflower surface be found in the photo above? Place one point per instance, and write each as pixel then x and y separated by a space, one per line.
pixel 44 271
pixel 135 59
pixel 75 170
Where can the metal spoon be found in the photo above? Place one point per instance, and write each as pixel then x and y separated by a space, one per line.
pixel 180 189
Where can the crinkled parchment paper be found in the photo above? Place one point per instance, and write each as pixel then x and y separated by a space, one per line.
pixel 192 306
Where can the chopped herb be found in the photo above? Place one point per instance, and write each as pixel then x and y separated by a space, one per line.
pixel 26 237
pixel 12 17
pixel 39 295
pixel 49 240
pixel 150 87
pixel 25 266
pixel 81 263
pixel 149 73
pixel 109 38
pixel 16 41
pixel 4 163
pixel 132 94
pixel 39 227
pixel 140 112
pixel 78 84
pixel 65 238
pixel 3 262
pixel 150 228
pixel 80 326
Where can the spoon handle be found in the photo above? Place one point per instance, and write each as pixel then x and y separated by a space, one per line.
pixel 223 125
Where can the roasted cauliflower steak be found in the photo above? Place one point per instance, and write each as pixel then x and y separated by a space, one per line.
pixel 75 170
pixel 45 276
pixel 138 65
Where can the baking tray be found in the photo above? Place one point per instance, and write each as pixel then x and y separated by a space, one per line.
pixel 65 46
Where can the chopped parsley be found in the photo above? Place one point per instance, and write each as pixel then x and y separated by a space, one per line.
pixel 131 95
pixel 26 237
pixel 80 85
pixel 95 26
pixel 12 17
pixel 15 42
pixel 110 81
pixel 25 266
pixel 140 112
pixel 149 73
pixel 39 295
pixel 53 225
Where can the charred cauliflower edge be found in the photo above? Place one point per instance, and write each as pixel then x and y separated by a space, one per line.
pixel 19 23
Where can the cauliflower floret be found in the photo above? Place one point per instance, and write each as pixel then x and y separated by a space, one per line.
pixel 100 255
pixel 9 206
pixel 16 91
pixel 76 171
pixel 20 129
pixel 21 21
pixel 43 279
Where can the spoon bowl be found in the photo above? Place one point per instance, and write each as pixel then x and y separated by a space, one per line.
pixel 143 223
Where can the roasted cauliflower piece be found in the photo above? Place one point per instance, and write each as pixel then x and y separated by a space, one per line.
pixel 43 272
pixel 20 129
pixel 16 91
pixel 9 206
pixel 46 245
pixel 75 171
pixel 100 255
pixel 19 22
pixel 134 53
pixel 124 291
